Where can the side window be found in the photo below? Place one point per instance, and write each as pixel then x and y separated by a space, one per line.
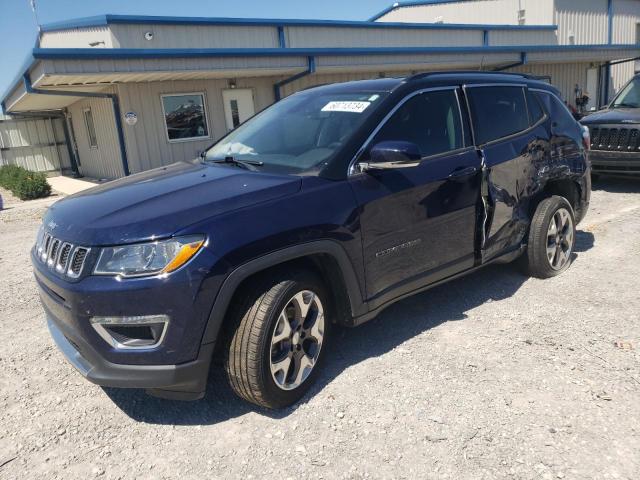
pixel 497 112
pixel 536 113
pixel 91 128
pixel 431 120
pixel 556 109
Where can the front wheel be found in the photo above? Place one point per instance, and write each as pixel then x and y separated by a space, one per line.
pixel 279 335
pixel 551 238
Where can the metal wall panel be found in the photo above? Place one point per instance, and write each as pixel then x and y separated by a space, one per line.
pixel 194 36
pixel 582 21
pixel 564 76
pixel 104 161
pixel 33 143
pixel 334 37
pixel 100 37
pixel 147 144
pixel 525 37
pixel 505 12
pixel 626 17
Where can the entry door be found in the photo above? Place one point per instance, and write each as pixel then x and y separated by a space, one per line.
pixel 418 224
pixel 238 106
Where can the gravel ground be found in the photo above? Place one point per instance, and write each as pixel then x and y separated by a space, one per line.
pixel 490 376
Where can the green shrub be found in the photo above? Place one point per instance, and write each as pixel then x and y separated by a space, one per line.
pixel 24 184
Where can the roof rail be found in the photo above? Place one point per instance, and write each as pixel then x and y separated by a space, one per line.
pixel 420 76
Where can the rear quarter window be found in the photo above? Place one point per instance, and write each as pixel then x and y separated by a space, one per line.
pixel 557 110
pixel 497 112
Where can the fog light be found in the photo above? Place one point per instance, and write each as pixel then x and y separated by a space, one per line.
pixel 135 332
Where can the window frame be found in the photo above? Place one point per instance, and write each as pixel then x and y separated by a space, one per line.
pixel 92 145
pixel 353 171
pixel 523 86
pixel 204 109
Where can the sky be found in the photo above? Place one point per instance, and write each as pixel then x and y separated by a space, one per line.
pixel 18 27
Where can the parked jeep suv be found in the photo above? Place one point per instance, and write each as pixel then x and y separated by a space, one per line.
pixel 323 209
pixel 615 133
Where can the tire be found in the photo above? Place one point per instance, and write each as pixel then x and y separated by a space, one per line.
pixel 550 248
pixel 257 367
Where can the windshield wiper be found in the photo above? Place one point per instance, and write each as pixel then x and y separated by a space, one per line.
pixel 626 105
pixel 247 164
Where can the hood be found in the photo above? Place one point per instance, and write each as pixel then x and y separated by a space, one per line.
pixel 613 115
pixel 159 202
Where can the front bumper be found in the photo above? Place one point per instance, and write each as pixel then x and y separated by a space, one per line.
pixel 185 382
pixel 618 163
pixel 178 368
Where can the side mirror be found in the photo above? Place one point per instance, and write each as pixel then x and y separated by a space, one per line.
pixel 390 155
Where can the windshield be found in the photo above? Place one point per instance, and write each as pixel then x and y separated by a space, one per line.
pixel 301 132
pixel 630 95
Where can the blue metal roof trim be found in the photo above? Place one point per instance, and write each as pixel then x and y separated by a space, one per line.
pixel 123 53
pixel 103 20
pixel 411 4
pixel 25 66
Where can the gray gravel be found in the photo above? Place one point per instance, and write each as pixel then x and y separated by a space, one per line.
pixel 491 376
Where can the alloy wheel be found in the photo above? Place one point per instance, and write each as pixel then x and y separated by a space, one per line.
pixel 297 340
pixel 560 239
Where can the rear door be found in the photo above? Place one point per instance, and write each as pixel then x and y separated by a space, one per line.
pixel 514 143
pixel 418 224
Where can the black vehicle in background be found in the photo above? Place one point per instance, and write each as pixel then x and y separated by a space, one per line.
pixel 615 133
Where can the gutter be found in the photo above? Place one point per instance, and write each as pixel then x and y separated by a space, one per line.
pixel 311 68
pixel 523 61
pixel 111 96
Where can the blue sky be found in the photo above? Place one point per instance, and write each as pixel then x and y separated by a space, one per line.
pixel 18 25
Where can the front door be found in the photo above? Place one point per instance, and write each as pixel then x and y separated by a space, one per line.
pixel 418 224
pixel 238 106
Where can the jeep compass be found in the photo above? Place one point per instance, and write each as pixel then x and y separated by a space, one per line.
pixel 321 210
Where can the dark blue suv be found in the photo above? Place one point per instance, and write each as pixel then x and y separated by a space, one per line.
pixel 323 209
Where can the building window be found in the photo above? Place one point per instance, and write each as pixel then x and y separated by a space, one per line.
pixel 185 116
pixel 91 128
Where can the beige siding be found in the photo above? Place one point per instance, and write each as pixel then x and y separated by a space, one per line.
pixel 334 37
pixel 626 17
pixel 147 143
pixel 31 143
pixel 525 37
pixel 104 161
pixel 586 21
pixel 78 38
pixel 505 12
pixel 194 36
pixel 563 76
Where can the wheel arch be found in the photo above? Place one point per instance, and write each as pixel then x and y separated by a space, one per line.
pixel 563 187
pixel 326 257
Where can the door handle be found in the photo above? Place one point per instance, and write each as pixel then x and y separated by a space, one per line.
pixel 463 172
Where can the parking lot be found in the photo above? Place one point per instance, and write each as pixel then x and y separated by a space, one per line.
pixel 494 375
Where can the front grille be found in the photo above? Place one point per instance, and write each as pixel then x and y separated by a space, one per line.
pixel 65 258
pixel 615 139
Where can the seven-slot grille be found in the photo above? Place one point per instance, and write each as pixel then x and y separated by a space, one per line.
pixel 65 258
pixel 615 139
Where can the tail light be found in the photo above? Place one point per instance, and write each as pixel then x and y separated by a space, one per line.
pixel 586 137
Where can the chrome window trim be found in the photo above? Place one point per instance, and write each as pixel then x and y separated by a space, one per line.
pixel 524 87
pixel 352 171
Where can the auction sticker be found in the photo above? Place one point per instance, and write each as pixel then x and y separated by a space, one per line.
pixel 350 107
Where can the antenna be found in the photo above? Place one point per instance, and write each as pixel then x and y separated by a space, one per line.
pixel 35 13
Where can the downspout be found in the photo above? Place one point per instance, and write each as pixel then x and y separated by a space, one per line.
pixel 311 68
pixel 523 61
pixel 111 96
pixel 607 72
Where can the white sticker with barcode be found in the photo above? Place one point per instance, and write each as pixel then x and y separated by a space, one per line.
pixel 351 107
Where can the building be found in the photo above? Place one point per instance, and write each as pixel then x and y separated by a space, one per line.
pixel 140 92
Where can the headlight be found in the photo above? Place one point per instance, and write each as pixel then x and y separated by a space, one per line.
pixel 148 258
